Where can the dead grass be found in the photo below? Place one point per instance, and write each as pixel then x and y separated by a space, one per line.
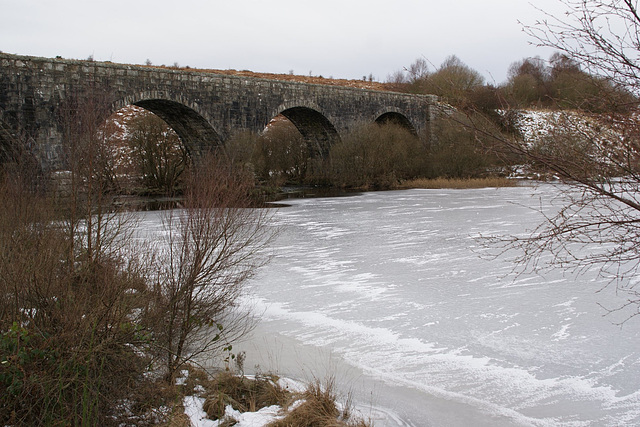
pixel 315 407
pixel 243 394
pixel 319 409
pixel 360 84
pixel 458 183
pixel 178 420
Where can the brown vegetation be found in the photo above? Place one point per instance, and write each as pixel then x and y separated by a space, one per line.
pixel 562 82
pixel 157 155
pixel 84 313
pixel 360 84
pixel 376 157
pixel 244 394
pixel 281 155
pixel 316 406
pixel 70 341
pixel 459 183
pixel 90 334
pixel 318 409
pixel 370 157
pixel 596 226
pixel 212 247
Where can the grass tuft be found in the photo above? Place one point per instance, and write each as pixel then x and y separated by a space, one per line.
pixel 243 394
pixel 319 409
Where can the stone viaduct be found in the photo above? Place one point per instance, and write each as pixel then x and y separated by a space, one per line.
pixel 203 108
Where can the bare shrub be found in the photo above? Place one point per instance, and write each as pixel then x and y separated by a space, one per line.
pixel 68 336
pixel 454 81
pixel 240 150
pixel 463 147
pixel 158 154
pixel 376 157
pixel 283 155
pixel 212 247
pixel 82 314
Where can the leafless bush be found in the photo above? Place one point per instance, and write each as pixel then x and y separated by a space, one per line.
pixel 82 314
pixel 563 82
pixel 282 154
pixel 240 150
pixel 212 247
pixel 463 147
pixel 376 156
pixel 68 338
pixel 157 153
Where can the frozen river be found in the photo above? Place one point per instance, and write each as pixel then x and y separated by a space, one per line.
pixel 388 292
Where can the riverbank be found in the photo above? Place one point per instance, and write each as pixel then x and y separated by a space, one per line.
pixel 459 183
pixel 232 398
pixel 275 195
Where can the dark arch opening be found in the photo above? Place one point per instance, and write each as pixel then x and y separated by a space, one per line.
pixel 396 119
pixel 195 132
pixel 317 130
pixel 142 153
pixel 282 155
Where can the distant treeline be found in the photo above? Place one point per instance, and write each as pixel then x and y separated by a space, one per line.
pixel 559 83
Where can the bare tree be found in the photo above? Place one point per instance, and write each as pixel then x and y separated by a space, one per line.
pixel 212 247
pixel 377 156
pixel 595 157
pixel 89 164
pixel 454 81
pixel 528 82
pixel 598 220
pixel 411 79
pixel 601 35
pixel 157 152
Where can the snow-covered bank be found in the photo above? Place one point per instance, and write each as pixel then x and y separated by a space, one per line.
pixel 193 408
pixel 254 401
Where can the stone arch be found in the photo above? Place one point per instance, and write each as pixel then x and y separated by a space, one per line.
pixel 314 126
pixel 396 118
pixel 193 128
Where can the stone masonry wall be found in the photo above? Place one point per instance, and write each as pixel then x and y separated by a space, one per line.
pixel 204 108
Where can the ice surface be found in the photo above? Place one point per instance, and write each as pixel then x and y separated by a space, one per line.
pixel 393 285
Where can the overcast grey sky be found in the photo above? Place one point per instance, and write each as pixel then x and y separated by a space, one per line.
pixel 338 38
